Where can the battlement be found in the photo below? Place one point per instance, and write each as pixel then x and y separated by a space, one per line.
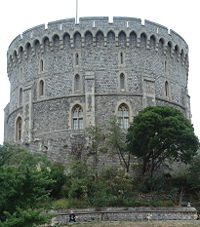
pixel 126 24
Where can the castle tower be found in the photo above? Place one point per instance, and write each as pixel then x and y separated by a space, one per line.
pixel 67 77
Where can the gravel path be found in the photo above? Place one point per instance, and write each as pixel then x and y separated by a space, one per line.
pixel 174 223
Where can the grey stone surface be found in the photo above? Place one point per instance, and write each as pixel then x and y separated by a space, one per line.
pixel 147 65
pixel 125 213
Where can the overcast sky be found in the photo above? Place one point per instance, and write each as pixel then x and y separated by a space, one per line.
pixel 182 16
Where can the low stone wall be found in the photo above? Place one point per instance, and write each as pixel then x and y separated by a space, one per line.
pixel 125 213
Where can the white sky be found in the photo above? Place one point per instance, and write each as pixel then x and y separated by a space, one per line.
pixel 183 16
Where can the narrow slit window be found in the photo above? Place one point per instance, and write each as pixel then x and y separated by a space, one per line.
pixel 20 96
pixel 121 58
pixel 41 65
pixel 77 83
pixel 77 59
pixel 122 81
pixel 166 89
pixel 41 88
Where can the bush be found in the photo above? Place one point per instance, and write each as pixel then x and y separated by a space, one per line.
pixel 69 203
pixel 59 179
pixel 111 188
pixel 79 188
pixel 162 183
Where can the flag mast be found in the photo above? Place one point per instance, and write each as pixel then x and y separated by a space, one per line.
pixel 76 12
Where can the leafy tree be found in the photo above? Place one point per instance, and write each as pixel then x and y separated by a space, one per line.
pixel 159 134
pixel 95 144
pixel 116 141
pixel 112 188
pixel 193 176
pixel 4 155
pixel 78 180
pixel 25 218
pixel 26 183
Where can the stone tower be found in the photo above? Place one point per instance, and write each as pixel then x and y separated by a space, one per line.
pixel 66 77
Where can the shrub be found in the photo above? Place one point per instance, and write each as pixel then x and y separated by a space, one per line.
pixel 68 203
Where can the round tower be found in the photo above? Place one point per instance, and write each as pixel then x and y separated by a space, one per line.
pixel 66 77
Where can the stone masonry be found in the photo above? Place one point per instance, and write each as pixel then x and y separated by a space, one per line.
pixel 96 66
pixel 125 213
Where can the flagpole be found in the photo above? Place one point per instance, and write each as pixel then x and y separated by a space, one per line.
pixel 76 11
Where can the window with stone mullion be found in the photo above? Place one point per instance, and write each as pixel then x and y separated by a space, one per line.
pixel 77 118
pixel 123 116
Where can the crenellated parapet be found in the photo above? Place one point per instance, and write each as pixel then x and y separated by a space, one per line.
pixel 59 33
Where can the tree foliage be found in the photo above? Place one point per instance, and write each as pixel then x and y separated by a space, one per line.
pixel 26 182
pixel 161 133
pixel 116 141
pixel 95 145
pixel 194 176
pixel 112 186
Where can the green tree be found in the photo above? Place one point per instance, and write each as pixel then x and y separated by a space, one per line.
pixel 159 134
pixel 193 176
pixel 113 187
pixel 79 180
pixel 26 183
pixel 95 145
pixel 116 141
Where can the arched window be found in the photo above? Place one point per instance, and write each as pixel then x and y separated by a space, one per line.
pixel 123 116
pixel 152 42
pixel 41 88
pixel 88 38
pixel 15 56
pixel 46 43
pixel 77 84
pixel 77 117
pixel 110 39
pixel 143 40
pixel 99 38
pixel 41 65
pixel 21 51
pixel 77 40
pixel 166 89
pixel 18 133
pixel 176 52
pixel 56 40
pixel 36 45
pixel 161 44
pixel 20 96
pixel 169 48
pixel 66 39
pixel 122 38
pixel 28 49
pixel 122 81
pixel 133 39
pixel 76 59
pixel 182 55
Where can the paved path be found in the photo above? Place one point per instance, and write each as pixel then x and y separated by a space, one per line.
pixel 166 223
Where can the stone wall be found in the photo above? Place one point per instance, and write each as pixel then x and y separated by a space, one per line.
pixel 126 213
pixel 153 60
